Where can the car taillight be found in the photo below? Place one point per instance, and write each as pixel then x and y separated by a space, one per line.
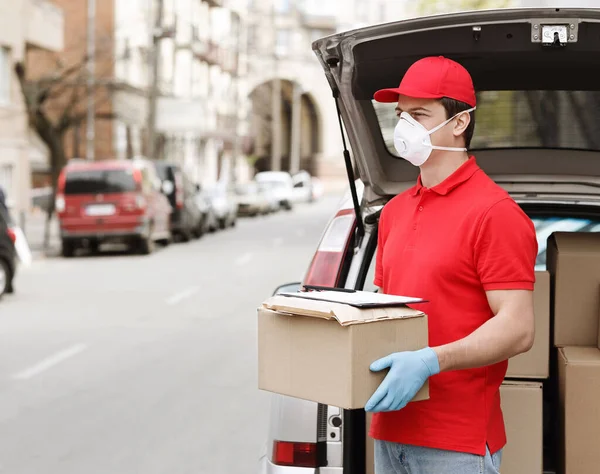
pixel 326 265
pixel 11 235
pixel 60 203
pixel 295 454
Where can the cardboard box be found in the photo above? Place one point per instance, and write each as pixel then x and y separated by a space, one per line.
pixel 573 259
pixel 579 395
pixel 522 408
pixel 534 364
pixel 321 351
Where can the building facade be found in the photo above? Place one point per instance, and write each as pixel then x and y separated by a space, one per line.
pixel 24 25
pixel 294 120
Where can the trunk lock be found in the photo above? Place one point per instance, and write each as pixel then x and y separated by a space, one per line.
pixel 555 34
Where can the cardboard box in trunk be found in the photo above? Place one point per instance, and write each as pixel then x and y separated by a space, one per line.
pixel 522 408
pixel 579 395
pixel 321 351
pixel 534 364
pixel 573 259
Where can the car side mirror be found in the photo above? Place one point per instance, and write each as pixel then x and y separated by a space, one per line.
pixel 288 288
pixel 168 187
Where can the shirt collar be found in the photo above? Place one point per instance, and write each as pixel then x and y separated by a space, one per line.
pixel 461 175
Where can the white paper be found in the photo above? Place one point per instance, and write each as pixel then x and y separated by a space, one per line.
pixel 358 298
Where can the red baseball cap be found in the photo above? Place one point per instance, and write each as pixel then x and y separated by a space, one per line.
pixel 433 77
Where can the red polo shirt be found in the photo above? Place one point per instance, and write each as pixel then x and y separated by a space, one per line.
pixel 449 245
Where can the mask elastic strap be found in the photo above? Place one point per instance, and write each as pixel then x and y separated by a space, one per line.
pixel 447 148
pixel 443 124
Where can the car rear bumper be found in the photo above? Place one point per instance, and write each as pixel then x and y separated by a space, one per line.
pixel 267 467
pixel 122 229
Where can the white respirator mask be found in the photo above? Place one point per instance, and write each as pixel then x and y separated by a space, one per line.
pixel 413 141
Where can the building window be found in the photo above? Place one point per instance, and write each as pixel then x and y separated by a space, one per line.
pixel 283 42
pixel 5 75
pixel 282 6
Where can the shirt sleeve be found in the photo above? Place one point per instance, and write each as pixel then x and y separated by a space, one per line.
pixel 506 248
pixel 378 280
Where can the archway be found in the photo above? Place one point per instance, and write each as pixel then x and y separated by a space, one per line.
pixel 300 147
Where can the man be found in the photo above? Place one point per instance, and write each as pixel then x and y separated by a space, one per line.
pixel 458 241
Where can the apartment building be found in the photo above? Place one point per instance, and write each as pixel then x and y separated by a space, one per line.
pixel 293 121
pixel 24 25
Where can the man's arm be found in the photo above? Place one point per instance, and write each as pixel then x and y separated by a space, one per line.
pixel 509 333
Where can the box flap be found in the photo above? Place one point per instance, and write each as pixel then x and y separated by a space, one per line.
pixel 581 355
pixel 578 242
pixel 521 384
pixel 345 314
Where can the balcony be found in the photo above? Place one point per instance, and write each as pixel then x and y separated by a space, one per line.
pixel 319 22
pixel 45 25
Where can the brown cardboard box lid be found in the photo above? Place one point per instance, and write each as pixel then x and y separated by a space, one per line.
pixel 576 242
pixel 581 355
pixel 345 314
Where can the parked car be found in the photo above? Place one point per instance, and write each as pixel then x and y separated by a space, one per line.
pixel 224 204
pixel 8 254
pixel 548 162
pixel 316 188
pixel 271 197
pixel 251 199
pixel 111 201
pixel 209 221
pixel 282 185
pixel 303 185
pixel 186 218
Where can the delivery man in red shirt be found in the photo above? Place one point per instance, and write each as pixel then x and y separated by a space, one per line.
pixel 460 242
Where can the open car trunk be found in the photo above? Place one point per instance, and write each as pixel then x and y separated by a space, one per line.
pixel 537 75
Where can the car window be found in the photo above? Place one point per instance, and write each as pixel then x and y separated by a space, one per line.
pixel 100 181
pixel 523 119
pixel 544 227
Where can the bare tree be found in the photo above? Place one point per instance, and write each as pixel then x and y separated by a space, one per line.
pixel 55 103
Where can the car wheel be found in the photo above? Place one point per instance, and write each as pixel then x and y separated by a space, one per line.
pixel 4 277
pixel 146 246
pixel 68 248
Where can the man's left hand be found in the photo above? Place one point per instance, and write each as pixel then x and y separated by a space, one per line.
pixel 408 373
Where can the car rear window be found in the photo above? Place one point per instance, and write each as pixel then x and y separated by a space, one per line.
pixel 100 182
pixel 544 227
pixel 164 172
pixel 523 119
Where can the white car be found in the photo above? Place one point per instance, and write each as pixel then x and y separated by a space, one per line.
pixel 536 136
pixel 303 187
pixel 281 184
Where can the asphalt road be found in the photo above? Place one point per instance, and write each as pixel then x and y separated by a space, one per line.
pixel 132 364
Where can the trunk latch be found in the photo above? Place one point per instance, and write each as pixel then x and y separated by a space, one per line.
pixel 555 34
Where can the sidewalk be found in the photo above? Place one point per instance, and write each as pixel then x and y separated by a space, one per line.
pixel 35 223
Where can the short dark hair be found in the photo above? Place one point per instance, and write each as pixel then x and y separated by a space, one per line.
pixel 454 107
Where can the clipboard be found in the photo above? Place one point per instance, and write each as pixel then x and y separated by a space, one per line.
pixel 357 299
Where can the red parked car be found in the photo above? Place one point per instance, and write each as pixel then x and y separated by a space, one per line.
pixel 111 201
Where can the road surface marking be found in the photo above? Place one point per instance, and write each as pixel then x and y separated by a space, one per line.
pixel 278 241
pixel 51 362
pixel 244 259
pixel 182 295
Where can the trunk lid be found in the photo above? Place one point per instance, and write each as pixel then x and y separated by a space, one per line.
pixel 538 117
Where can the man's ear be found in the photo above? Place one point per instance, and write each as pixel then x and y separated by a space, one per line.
pixel 462 122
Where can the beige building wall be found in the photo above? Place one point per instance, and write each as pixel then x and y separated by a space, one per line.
pixel 21 27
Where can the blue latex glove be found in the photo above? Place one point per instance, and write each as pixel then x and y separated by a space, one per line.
pixel 408 372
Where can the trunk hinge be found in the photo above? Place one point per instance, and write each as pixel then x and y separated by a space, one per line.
pixel 360 226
